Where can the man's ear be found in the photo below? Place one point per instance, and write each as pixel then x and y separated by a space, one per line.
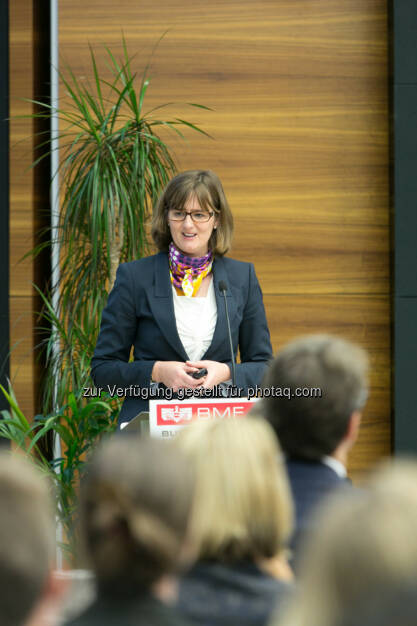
pixel 353 426
pixel 48 609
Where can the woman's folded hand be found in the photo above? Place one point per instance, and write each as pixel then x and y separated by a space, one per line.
pixel 216 372
pixel 176 375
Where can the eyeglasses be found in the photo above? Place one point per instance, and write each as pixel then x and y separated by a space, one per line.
pixel 176 215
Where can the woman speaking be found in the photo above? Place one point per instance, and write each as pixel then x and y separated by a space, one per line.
pixel 170 306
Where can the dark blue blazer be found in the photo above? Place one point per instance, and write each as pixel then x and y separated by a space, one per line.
pixel 121 610
pixel 140 313
pixel 231 594
pixel 311 482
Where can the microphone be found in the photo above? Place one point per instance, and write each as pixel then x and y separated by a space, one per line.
pixel 223 289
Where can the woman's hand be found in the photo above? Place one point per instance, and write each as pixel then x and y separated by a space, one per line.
pixel 216 372
pixel 174 374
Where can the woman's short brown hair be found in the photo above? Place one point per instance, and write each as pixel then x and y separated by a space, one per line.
pixel 206 187
pixel 243 506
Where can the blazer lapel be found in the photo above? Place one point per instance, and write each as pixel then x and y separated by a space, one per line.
pixel 220 331
pixel 162 305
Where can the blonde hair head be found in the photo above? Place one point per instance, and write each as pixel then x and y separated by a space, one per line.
pixel 243 505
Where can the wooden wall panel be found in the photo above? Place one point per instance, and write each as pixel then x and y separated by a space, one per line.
pixel 298 90
pixel 22 366
pixel 22 373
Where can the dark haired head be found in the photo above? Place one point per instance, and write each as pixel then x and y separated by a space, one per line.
pixel 335 371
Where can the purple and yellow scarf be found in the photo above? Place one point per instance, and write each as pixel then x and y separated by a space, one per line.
pixel 188 272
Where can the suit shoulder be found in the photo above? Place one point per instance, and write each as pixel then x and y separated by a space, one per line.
pixel 235 263
pixel 311 472
pixel 146 263
pixel 138 273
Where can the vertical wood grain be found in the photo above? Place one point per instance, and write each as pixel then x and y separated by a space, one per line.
pixel 299 95
pixel 22 222
pixel 300 125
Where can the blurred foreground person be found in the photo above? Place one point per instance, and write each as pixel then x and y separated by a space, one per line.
pixel 317 420
pixel 29 595
pixel 136 499
pixel 364 547
pixel 243 517
pixel 389 606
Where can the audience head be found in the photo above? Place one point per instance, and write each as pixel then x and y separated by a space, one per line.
pixel 206 187
pixel 314 425
pixel 136 499
pixel 27 539
pixel 364 542
pixel 243 504
pixel 386 606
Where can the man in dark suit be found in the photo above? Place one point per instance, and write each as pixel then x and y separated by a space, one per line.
pixel 318 388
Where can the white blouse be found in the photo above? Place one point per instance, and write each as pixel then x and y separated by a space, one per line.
pixel 196 320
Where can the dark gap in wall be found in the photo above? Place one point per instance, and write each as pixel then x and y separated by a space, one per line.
pixel 41 192
pixel 391 199
pixel 404 227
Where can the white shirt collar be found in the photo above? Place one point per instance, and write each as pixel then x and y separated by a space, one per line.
pixel 335 465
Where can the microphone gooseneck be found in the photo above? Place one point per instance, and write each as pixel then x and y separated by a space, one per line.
pixel 223 289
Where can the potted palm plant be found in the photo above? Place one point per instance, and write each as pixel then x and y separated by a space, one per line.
pixel 114 165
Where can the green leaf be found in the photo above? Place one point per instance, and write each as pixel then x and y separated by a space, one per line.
pixel 113 167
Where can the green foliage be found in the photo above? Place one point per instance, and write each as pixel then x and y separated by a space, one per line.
pixel 68 351
pixel 113 168
pixel 80 427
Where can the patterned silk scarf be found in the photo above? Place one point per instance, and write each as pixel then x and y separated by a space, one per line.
pixel 187 272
